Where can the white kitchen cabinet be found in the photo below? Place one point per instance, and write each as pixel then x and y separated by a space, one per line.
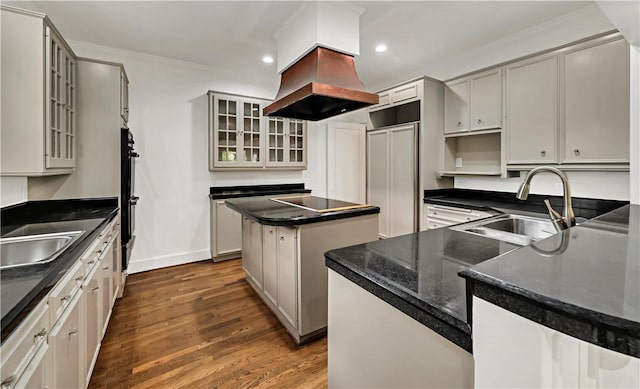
pixel 226 231
pixel 287 274
pixel 402 94
pixel 106 286
pixel 124 98
pixel 456 95
pixel 270 262
pixel 35 374
pixel 391 183
pixel 436 216
pixel 92 300
pixel 474 103
pixel 64 340
pixel 532 110
pixel 286 143
pixel 246 244
pixel 21 347
pixel 255 258
pixel 511 351
pixel 38 96
pixel 596 101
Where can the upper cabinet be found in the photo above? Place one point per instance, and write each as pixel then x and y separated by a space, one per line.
pixel 124 98
pixel 474 103
pixel 402 94
pixel 241 138
pixel 596 101
pixel 532 110
pixel 37 139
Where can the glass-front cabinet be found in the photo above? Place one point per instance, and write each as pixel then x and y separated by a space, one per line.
pixel 241 138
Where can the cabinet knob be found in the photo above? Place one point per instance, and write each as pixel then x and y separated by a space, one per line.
pixel 65 298
pixel 91 262
pixel 73 332
pixel 459 124
pixel 479 121
pixel 543 153
pixel 78 279
pixel 271 232
pixel 576 152
pixel 95 288
pixel 282 238
pixel 39 334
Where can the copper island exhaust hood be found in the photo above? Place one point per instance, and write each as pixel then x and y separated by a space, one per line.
pixel 321 84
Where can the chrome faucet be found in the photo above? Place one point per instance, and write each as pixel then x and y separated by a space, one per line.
pixel 568 218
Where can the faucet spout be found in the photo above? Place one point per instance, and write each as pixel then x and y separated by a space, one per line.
pixel 568 217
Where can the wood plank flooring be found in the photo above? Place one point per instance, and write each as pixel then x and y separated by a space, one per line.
pixel 201 325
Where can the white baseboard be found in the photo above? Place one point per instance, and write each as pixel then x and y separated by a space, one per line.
pixel 146 264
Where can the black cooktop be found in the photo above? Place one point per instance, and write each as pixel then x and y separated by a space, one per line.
pixel 316 204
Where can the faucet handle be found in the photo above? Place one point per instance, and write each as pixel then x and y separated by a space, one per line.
pixel 558 221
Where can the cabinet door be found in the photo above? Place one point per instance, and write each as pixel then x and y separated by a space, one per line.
pixel 402 180
pixel 35 374
pixel 378 177
pixel 296 143
pixel 456 99
pixel 92 309
pixel 596 102
pixel 275 141
pixel 106 287
pixel 256 254
pixel 251 134
pixel 246 245
pixel 486 100
pixel 227 230
pixel 64 341
pixel 288 275
pixel 270 262
pixel 532 114
pixel 225 131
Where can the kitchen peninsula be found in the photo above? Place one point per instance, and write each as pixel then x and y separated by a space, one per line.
pixel 284 239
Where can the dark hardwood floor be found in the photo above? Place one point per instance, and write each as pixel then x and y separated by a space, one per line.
pixel 201 325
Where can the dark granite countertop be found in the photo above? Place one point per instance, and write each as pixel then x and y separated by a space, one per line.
pixel 418 274
pixel 584 282
pixel 22 288
pixel 490 200
pixel 269 212
pixel 230 192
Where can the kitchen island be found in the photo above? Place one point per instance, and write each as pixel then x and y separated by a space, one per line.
pixel 283 244
pixel 401 315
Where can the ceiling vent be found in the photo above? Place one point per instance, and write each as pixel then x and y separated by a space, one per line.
pixel 315 57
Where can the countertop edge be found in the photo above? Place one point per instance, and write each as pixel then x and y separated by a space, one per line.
pixel 447 330
pixel 610 332
pixel 257 194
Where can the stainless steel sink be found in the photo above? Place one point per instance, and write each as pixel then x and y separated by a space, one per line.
pixel 517 229
pixel 34 249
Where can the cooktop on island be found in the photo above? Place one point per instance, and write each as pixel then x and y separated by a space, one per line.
pixel 317 204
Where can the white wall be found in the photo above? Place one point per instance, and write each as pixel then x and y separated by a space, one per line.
pixel 168 106
pixel 13 190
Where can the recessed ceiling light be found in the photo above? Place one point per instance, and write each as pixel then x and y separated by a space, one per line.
pixel 381 48
pixel 267 59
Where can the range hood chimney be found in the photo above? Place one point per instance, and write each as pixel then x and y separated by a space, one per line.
pixel 316 47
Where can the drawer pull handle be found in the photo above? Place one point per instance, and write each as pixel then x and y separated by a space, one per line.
pixel 73 332
pixel 95 288
pixel 65 298
pixel 40 334
pixel 91 262
pixel 99 251
pixel 105 268
pixel 79 279
pixel 8 381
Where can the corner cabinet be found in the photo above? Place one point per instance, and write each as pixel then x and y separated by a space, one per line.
pixel 38 96
pixel 241 138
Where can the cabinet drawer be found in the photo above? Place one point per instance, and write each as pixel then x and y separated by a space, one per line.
pixel 19 349
pixel 404 93
pixel 455 215
pixel 433 223
pixel 63 292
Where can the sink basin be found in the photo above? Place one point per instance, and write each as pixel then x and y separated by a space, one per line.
pixel 34 249
pixel 517 229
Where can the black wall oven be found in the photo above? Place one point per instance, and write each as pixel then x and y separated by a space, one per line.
pixel 128 199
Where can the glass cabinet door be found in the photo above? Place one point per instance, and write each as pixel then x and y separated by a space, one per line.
pixel 226 132
pixel 275 141
pixel 296 142
pixel 250 134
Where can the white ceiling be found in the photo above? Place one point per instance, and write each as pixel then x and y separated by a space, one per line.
pixel 237 34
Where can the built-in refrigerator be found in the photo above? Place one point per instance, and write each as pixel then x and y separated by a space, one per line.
pixel 392 177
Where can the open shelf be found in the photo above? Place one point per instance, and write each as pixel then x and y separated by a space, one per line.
pixel 471 133
pixel 451 173
pixel 480 154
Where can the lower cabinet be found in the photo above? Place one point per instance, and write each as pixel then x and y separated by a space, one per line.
pixel 64 341
pixel 436 216
pixel 246 244
pixel 511 351
pixel 270 262
pixel 92 302
pixel 287 274
pixel 35 375
pixel 255 257
pixel 106 287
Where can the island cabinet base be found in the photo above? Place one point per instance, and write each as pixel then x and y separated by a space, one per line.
pixel 372 344
pixel 285 266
